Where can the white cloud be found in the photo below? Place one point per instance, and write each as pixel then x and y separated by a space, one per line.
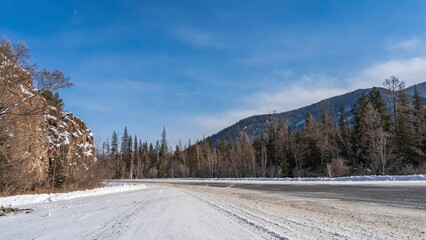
pixel 411 71
pixel 409 44
pixel 312 88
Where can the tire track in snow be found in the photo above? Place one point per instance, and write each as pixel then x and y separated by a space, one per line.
pixel 254 225
pixel 307 229
pixel 115 228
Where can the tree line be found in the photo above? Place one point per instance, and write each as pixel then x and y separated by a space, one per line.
pixel 376 140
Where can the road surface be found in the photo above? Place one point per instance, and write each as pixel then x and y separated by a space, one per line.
pixel 218 210
pixel 411 196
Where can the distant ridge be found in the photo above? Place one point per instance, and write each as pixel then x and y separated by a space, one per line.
pixel 256 125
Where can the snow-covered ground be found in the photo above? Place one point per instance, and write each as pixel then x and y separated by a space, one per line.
pixel 19 200
pixel 150 213
pixel 369 180
pixel 164 211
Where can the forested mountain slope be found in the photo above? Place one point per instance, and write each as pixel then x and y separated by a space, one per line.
pixel 257 125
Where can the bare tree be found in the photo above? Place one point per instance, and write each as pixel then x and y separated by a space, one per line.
pixel 22 88
pixel 19 76
pixel 393 85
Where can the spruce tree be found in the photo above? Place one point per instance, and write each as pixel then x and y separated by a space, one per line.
pixel 343 134
pixel 135 162
pixel 405 140
pixel 124 141
pixel 114 144
pixel 419 122
pixel 313 155
pixel 163 150
pixel 115 153
pixel 376 99
pixel 359 147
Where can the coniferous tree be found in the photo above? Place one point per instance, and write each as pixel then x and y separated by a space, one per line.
pixel 135 163
pixel 163 149
pixel 343 134
pixel 152 157
pixel 115 153
pixel 419 124
pixel 359 138
pixel 271 151
pixel 376 99
pixel 129 157
pixel 309 132
pixel 326 141
pixel 124 141
pixel 280 149
pixel 405 140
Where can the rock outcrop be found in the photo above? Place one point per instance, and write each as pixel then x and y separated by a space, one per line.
pixel 40 140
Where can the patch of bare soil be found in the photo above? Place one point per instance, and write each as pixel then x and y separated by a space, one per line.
pixel 6 210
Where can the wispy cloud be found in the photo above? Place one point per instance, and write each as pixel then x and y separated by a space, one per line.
pixel 411 71
pixel 181 94
pixel 198 38
pixel 312 88
pixel 411 43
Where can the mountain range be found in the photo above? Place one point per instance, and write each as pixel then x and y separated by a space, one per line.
pixel 257 125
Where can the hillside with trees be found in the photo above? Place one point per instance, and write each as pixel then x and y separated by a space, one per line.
pixel 257 125
pixel 369 138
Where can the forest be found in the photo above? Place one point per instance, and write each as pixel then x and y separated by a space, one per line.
pixel 376 141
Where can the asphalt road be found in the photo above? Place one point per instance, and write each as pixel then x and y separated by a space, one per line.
pixel 408 196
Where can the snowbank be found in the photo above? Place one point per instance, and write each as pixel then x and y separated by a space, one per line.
pixel 52 197
pixel 371 179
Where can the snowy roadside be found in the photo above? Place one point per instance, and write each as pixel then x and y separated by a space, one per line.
pixel 368 180
pixel 20 200
pixel 197 211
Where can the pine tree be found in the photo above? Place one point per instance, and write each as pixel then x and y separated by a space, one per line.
pixel 405 140
pixel 376 99
pixel 343 134
pixel 135 163
pixel 359 144
pixel 325 138
pixel 152 157
pixel 115 153
pixel 419 122
pixel 270 146
pixel 114 144
pixel 163 150
pixel 309 133
pixel 280 151
pixel 124 141
pixel 129 157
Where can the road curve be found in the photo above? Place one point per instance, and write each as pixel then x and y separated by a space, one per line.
pixel 407 196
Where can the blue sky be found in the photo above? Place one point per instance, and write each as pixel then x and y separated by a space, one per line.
pixel 196 67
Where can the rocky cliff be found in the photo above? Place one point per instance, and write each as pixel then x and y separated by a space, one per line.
pixel 38 140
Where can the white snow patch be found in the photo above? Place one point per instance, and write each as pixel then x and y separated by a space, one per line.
pixel 48 116
pixel 65 137
pixel 88 153
pixel 9 133
pixel 372 179
pixel 53 197
pixel 52 107
pixel 25 91
pixel 300 122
